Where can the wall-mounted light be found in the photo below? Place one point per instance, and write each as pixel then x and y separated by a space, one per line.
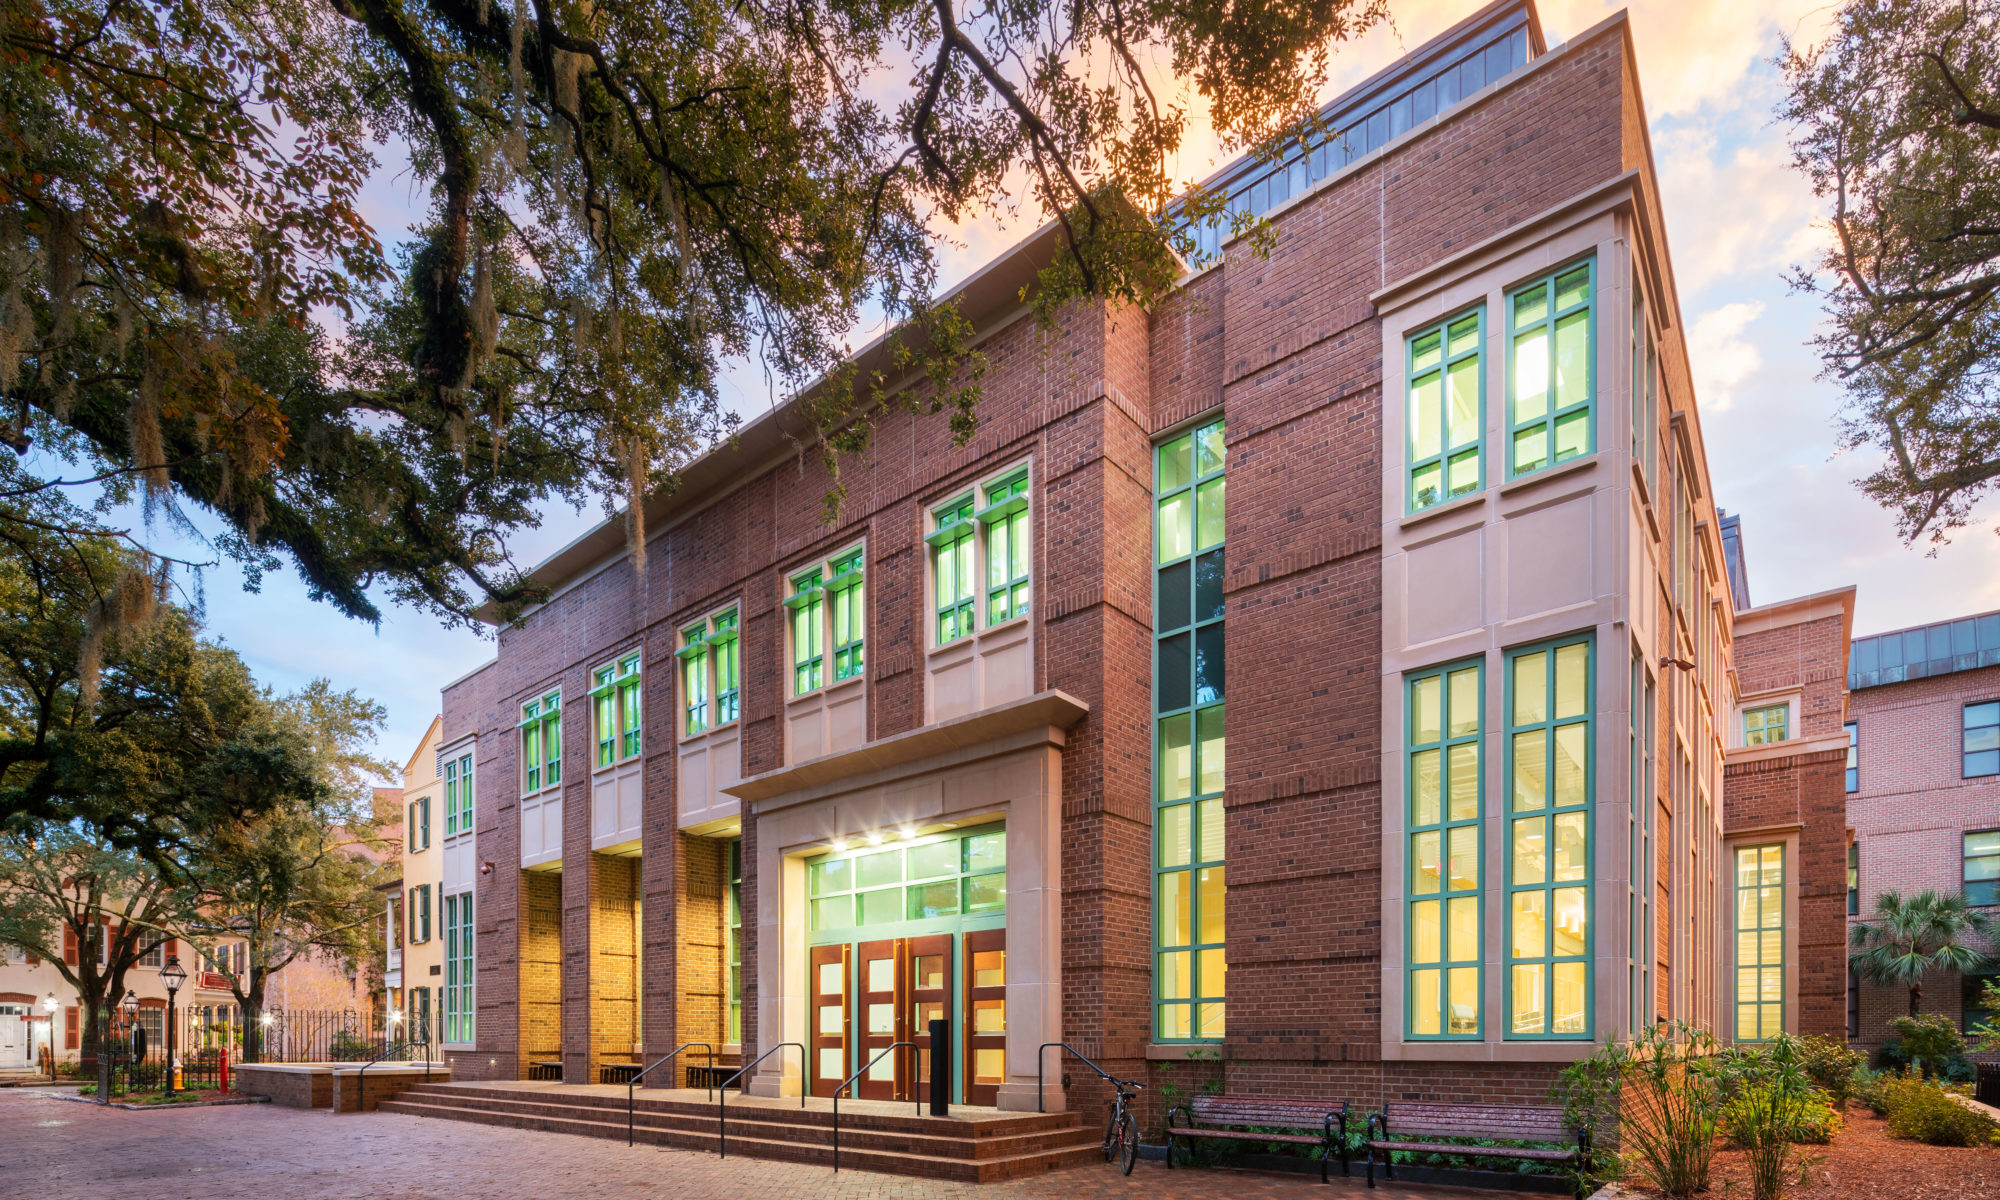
pixel 908 832
pixel 874 839
pixel 486 868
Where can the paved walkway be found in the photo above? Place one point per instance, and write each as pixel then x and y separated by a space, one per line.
pixel 62 1150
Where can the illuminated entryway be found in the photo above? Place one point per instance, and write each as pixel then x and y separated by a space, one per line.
pixel 901 934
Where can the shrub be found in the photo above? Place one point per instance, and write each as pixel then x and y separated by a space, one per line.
pixel 1928 1043
pixel 1668 1083
pixel 1772 1104
pixel 1809 1119
pixel 1831 1064
pixel 1922 1111
pixel 1866 1085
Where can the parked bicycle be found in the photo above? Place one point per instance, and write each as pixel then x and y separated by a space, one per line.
pixel 1121 1131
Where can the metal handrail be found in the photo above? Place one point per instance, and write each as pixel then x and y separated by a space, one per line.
pixel 722 1097
pixel 632 1084
pixel 849 1082
pixel 361 1078
pixel 1041 1059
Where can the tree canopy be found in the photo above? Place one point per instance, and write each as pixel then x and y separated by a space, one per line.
pixel 1896 121
pixel 624 196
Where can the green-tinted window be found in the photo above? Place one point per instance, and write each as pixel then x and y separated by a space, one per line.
pixel 458 795
pixel 605 706
pixel 1548 704
pixel 808 609
pixel 1445 897
pixel 850 614
pixel 1771 723
pixel 1760 942
pixel 614 693
pixel 952 569
pixel 942 875
pixel 458 1005
pixel 1190 884
pixel 1007 549
pixel 694 679
pixel 1445 411
pixel 1645 399
pixel 735 1035
pixel 725 646
pixel 1551 370
pixel 1982 867
pixel 541 742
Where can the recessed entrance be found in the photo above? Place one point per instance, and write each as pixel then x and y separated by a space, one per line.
pixel 901 934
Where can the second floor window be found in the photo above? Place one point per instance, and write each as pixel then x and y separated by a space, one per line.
pixel 952 549
pixel 828 613
pixel 1982 867
pixel 710 672
pixel 966 533
pixel 1853 757
pixel 1982 739
pixel 541 742
pixel 1444 411
pixel 458 795
pixel 1551 371
pixel 614 688
pixel 1762 726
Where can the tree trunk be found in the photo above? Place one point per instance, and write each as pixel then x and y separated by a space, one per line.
pixel 1916 997
pixel 253 1019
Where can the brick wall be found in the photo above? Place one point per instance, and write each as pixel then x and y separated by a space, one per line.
pixel 1913 809
pixel 614 961
pixel 540 981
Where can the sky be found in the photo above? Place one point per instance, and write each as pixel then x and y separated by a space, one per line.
pixel 1737 218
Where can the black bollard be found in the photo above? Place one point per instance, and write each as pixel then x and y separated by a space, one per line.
pixel 940 1068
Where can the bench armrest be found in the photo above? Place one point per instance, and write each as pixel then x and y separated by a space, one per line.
pixel 1377 1121
pixel 1187 1112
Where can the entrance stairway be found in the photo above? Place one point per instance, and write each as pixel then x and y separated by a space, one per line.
pixel 973 1145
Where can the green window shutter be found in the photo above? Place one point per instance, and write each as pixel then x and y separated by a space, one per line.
pixel 1760 942
pixel 1189 845
pixel 1445 854
pixel 1445 411
pixel 1551 369
pixel 1550 738
pixel 425 804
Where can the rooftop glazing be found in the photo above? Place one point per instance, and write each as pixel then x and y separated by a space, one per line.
pixel 1961 645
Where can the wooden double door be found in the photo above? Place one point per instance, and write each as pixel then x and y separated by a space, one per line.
pixel 867 996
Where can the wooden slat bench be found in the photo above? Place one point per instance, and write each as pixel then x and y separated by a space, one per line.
pixel 617 1072
pixel 1199 1120
pixel 545 1065
pixel 1403 1125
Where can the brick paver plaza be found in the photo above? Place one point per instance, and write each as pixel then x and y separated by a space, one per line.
pixel 62 1150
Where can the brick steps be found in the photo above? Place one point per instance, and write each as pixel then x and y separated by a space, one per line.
pixel 928 1147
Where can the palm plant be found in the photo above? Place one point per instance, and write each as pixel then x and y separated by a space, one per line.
pixel 1905 939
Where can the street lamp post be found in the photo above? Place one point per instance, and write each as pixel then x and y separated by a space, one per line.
pixel 173 975
pixel 50 1005
pixel 130 1010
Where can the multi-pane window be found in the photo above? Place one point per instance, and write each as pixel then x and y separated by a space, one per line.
pixel 1445 411
pixel 1982 867
pixel 458 795
pixel 694 679
pixel 1766 724
pixel 829 614
pixel 541 742
pixel 711 673
pixel 735 1036
pixel 420 824
pixel 808 608
pixel 1760 942
pixel 1853 879
pixel 1972 1000
pixel 1645 397
pixel 1981 748
pixel 1549 737
pixel 614 691
pixel 1005 519
pixel 1445 925
pixel 1550 378
pixel 458 1009
pixel 1189 884
pixel 1853 757
pixel 953 547
pixel 946 875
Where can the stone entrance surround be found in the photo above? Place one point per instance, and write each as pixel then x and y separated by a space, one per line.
pixel 1003 763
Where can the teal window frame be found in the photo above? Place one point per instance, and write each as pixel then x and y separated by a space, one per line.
pixel 1459 836
pixel 1009 558
pixel 459 1026
pixel 1190 960
pixel 848 604
pixel 1443 365
pixel 1763 937
pixel 725 643
pixel 841 905
pixel 541 742
pixel 954 570
pixel 1549 811
pixel 734 1032
pixel 1767 724
pixel 1555 417
pixel 616 709
pixel 694 679
pixel 458 795
pixel 807 613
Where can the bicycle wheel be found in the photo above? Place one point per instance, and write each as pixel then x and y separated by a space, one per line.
pixel 1128 1139
pixel 1110 1130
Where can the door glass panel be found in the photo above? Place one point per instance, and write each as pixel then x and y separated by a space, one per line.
pixel 989 968
pixel 884 1069
pixel 989 1066
pixel 882 1018
pixel 989 1016
pixel 927 971
pixel 830 1065
pixel 881 975
pixel 829 979
pixel 829 1019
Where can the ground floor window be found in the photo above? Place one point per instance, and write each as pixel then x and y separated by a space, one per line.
pixel 457 999
pixel 735 918
pixel 1760 942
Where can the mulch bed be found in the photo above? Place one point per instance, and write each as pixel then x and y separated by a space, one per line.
pixel 1865 1163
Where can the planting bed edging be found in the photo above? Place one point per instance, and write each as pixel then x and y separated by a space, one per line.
pixel 162 1107
pixel 1445 1176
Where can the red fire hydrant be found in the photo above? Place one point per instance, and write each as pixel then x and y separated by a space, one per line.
pixel 222 1081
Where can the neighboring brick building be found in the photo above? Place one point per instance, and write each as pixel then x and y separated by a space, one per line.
pixel 962 753
pixel 1924 789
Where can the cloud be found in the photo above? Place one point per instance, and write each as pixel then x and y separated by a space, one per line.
pixel 1721 357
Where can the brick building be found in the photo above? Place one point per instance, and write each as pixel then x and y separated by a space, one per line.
pixel 1442 809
